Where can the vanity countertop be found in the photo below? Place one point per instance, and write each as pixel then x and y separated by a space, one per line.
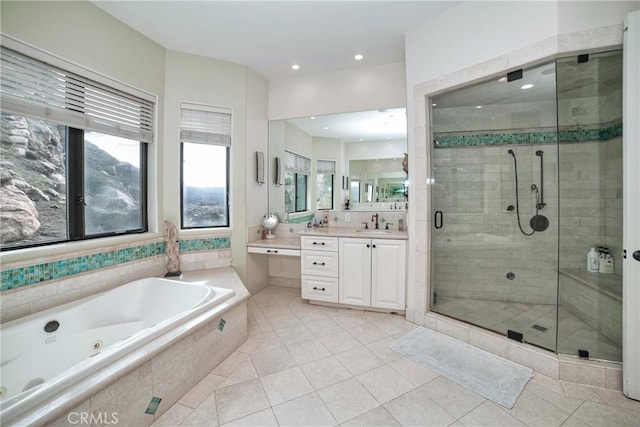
pixel 278 242
pixel 354 232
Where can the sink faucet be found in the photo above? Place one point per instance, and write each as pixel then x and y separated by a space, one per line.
pixel 375 218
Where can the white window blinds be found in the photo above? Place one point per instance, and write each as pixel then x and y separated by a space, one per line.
pixel 202 124
pixel 296 163
pixel 34 88
pixel 326 167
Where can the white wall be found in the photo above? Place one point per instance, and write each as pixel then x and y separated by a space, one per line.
pixel 201 80
pixel 358 89
pixel 83 34
pixel 452 50
pixel 257 140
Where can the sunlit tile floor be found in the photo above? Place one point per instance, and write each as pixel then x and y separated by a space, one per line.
pixel 573 333
pixel 307 365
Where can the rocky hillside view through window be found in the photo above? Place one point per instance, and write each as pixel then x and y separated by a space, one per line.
pixel 33 178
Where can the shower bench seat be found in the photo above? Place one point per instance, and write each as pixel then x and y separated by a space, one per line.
pixel 594 298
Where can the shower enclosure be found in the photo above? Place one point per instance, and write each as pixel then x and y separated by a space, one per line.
pixel 527 175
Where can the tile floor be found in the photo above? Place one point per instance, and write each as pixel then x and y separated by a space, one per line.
pixel 499 316
pixel 306 365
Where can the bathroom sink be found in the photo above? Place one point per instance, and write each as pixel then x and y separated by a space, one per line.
pixel 373 232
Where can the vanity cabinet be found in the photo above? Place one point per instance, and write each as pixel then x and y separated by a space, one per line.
pixel 319 264
pixel 372 272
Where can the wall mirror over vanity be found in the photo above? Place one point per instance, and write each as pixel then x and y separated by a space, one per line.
pixel 344 170
pixel 337 162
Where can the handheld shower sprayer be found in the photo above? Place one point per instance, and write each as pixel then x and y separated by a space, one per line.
pixel 538 222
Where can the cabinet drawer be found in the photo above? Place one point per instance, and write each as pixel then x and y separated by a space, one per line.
pixel 319 243
pixel 273 251
pixel 320 288
pixel 319 263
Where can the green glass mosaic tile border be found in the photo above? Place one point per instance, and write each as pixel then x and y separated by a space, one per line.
pixel 541 137
pixel 37 273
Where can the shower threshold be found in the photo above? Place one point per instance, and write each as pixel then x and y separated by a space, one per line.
pixel 530 320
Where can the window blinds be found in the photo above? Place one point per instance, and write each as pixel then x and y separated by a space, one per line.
pixel 296 163
pixel 37 89
pixel 326 167
pixel 202 124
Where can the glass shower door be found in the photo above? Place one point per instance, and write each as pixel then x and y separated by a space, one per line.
pixel 590 149
pixel 495 204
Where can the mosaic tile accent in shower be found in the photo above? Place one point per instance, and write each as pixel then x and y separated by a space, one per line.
pixel 37 273
pixel 539 137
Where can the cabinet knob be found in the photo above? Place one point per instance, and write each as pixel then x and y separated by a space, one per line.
pixel 368 245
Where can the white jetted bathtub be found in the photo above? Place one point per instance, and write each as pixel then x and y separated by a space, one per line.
pixel 45 353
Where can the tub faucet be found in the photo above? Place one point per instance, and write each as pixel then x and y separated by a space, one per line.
pixel 375 218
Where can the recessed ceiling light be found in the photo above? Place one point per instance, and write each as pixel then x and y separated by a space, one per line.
pixel 358 57
pixel 502 79
pixel 325 128
pixel 361 139
pixel 312 117
pixel 388 137
pixel 434 104
pixel 478 106
pixel 295 67
pixel 527 86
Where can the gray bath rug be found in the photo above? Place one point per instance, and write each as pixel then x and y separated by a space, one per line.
pixel 490 376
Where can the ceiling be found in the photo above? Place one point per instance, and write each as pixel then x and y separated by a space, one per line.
pixel 270 36
pixel 376 125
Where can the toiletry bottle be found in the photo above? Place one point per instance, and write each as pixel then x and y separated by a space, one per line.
pixel 593 262
pixel 606 264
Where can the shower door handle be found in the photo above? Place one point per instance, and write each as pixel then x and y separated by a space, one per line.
pixel 438 220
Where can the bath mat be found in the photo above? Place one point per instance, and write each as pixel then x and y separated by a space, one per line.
pixel 484 373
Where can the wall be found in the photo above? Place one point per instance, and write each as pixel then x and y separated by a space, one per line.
pixel 359 89
pixel 482 39
pixel 38 278
pixel 201 80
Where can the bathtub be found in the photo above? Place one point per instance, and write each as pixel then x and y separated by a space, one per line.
pixel 45 353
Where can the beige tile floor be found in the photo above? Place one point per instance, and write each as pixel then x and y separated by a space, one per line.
pixel 500 316
pixel 306 365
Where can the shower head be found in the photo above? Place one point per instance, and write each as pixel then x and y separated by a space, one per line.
pixel 539 153
pixel 534 187
pixel 510 152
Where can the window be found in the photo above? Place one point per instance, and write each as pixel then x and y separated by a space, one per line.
pixel 74 155
pixel 296 176
pixel 326 170
pixel 205 135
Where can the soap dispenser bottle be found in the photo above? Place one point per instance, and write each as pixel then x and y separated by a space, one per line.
pixel 593 262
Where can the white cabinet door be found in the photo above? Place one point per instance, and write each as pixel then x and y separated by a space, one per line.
pixel 355 272
pixel 388 277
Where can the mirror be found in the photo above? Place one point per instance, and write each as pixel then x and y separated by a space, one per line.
pixel 327 160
